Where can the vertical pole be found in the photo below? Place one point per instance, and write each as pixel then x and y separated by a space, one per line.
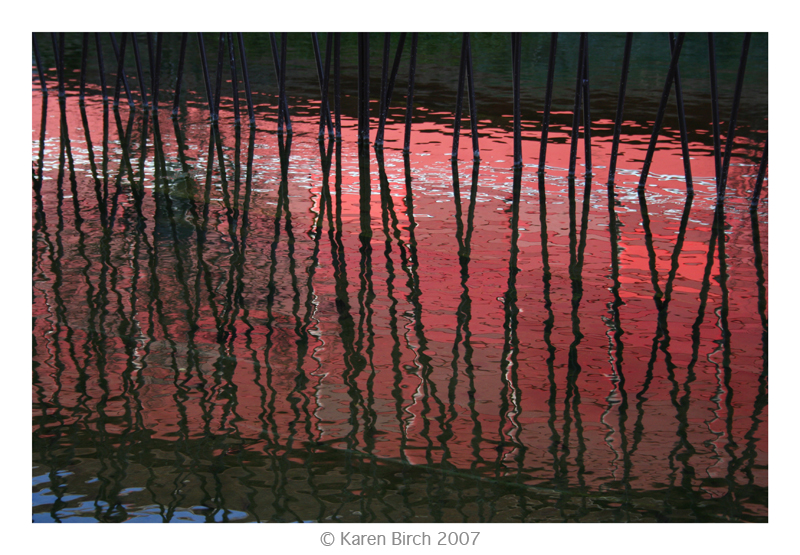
pixel 234 80
pixel 181 62
pixel 737 97
pixel 324 111
pixel 473 108
pixel 687 166
pixel 363 64
pixel 59 67
pixel 762 171
pixel 284 44
pixel 276 62
pixel 412 67
pixel 623 81
pixel 337 91
pixel 712 68
pixel 387 37
pixel 39 67
pixel 587 115
pixel 326 82
pixel 84 56
pixel 548 101
pixel 459 97
pixel 218 90
pixel 101 67
pixel 320 79
pixel 515 84
pixel 120 54
pixel 246 78
pixel 390 87
pixel 206 79
pixel 157 72
pixel 360 47
pixel 673 65
pixel 62 64
pixel 151 57
pixel 573 150
pixel 139 73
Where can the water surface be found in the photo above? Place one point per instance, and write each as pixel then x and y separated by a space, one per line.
pixel 306 334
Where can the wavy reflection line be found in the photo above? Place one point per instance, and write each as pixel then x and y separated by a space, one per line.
pixel 572 392
pixel 618 394
pixel 688 471
pixel 125 165
pixel 363 354
pixel 510 397
pixel 469 367
pixel 100 188
pixel 396 355
pixel 50 448
pixel 279 463
pixel 463 312
pixel 733 508
pixel 226 361
pixel 749 456
pixel 661 342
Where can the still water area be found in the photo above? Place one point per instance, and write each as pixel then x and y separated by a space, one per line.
pixel 232 325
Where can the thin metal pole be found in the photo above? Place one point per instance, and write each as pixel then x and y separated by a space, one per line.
pixel 762 171
pixel 218 90
pixel 367 89
pixel 324 118
pixel 206 79
pixel 623 82
pixel 101 67
pixel 587 116
pixel 712 68
pixel 284 43
pixel 120 54
pixel 387 37
pixel 390 88
pixel 181 62
pixel 157 71
pixel 84 56
pixel 548 101
pixel 473 108
pixel 283 112
pixel 687 166
pixel 459 98
pixel 39 67
pixel 139 73
pixel 151 57
pixel 363 64
pixel 673 65
pixel 337 92
pixel 361 91
pixel 59 67
pixel 515 84
pixel 737 96
pixel 234 80
pixel 246 78
pixel 320 78
pixel 326 82
pixel 62 64
pixel 360 48
pixel 412 67
pixel 573 150
pixel 277 65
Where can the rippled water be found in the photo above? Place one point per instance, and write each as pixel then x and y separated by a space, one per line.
pixel 306 334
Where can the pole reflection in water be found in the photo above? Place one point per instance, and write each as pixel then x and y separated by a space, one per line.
pixel 268 324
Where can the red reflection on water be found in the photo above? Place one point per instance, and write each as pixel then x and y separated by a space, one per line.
pixel 184 341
